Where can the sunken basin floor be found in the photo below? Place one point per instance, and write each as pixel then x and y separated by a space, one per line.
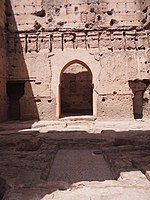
pixel 73 164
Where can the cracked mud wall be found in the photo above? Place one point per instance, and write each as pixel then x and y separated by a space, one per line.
pixel 78 14
pixel 109 37
pixel 93 13
pixel 146 13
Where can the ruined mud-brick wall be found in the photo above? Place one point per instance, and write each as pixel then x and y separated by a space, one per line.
pixel 111 37
pixel 3 96
pixel 146 13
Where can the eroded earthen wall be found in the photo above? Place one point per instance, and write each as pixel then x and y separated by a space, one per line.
pixel 3 97
pixel 78 14
pixel 146 13
pixel 108 36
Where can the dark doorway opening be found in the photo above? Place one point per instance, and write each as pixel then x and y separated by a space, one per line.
pixel 138 88
pixel 15 90
pixel 76 91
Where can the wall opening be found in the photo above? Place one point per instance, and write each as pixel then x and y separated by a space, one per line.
pixel 138 88
pixel 76 90
pixel 3 188
pixel 15 90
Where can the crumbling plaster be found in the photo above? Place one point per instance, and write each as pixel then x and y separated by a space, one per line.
pixel 110 37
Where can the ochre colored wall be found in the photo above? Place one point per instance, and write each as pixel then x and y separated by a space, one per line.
pixel 111 37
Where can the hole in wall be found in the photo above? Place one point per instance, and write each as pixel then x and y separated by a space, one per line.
pixel 103 99
pixel 76 9
pixel 40 13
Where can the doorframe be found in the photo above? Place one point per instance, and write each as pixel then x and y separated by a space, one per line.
pixel 59 87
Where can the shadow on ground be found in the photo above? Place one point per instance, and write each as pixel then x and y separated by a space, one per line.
pixel 34 164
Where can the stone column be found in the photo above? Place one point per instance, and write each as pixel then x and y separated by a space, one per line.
pixel 146 103
pixel 138 88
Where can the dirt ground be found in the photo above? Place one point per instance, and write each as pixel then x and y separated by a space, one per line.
pixel 75 159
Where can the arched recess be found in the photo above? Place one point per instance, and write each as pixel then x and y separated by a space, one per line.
pixel 76 89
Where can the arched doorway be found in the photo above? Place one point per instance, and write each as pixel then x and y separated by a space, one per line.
pixel 76 90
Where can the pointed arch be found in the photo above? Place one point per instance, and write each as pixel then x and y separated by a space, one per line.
pixel 78 62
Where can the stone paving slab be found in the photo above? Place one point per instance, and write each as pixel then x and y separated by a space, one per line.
pixel 104 193
pixel 91 126
pixel 72 166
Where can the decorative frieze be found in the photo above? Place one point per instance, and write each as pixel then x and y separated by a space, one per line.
pixel 103 40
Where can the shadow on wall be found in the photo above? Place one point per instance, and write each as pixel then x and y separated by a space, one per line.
pixel 22 105
pixel 37 172
pixel 76 94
